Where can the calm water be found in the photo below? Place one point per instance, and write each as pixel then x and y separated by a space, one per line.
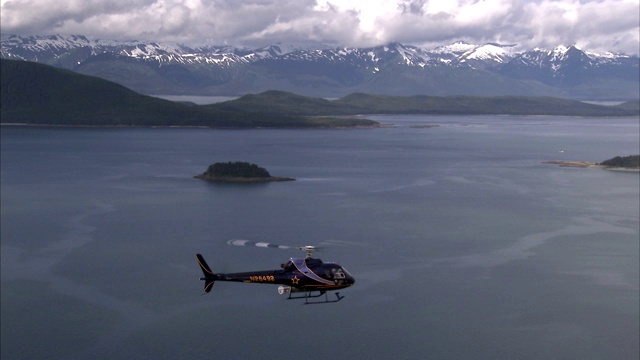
pixel 200 100
pixel 463 243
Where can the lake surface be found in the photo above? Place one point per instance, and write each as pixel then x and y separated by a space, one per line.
pixel 464 245
pixel 199 100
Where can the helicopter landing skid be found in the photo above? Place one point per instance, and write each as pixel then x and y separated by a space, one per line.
pixel 309 295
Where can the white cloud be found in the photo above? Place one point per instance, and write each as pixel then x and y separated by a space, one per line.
pixel 594 25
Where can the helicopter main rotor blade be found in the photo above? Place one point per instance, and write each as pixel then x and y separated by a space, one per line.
pixel 308 249
pixel 239 242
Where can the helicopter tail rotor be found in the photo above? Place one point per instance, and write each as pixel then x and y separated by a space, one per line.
pixel 209 277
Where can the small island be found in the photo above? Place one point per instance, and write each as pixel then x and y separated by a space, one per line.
pixel 630 163
pixel 238 172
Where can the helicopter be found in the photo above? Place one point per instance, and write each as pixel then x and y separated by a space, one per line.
pixel 305 278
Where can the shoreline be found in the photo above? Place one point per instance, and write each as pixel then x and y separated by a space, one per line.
pixel 587 164
pixel 242 179
pixel 375 126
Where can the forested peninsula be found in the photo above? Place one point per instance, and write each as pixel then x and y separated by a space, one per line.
pixel 625 162
pixel 631 162
pixel 38 94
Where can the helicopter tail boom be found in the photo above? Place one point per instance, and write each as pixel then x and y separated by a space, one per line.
pixel 209 277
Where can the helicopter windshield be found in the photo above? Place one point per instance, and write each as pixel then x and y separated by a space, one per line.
pixel 337 272
pixel 288 267
pixel 345 272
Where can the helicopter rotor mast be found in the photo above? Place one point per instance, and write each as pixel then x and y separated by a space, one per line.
pixel 308 249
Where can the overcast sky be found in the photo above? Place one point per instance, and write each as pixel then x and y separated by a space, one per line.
pixel 598 25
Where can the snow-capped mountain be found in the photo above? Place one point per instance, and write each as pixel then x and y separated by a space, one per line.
pixel 569 66
pixel 319 70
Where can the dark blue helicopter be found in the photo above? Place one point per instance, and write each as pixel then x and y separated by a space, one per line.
pixel 308 277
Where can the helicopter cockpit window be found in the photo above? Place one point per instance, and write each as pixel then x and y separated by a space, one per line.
pixel 288 266
pixel 335 273
pixel 346 273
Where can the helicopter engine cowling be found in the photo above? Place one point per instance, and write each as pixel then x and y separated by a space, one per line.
pixel 284 289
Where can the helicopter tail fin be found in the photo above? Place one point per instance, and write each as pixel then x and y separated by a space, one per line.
pixel 209 277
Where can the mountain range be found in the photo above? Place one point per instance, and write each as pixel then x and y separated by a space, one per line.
pixel 39 94
pixel 313 69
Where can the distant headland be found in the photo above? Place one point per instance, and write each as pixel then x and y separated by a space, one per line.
pixel 631 162
pixel 238 172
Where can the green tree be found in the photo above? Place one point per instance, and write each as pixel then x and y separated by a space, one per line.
pixel 237 169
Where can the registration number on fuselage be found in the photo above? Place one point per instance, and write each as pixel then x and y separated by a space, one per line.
pixel 262 278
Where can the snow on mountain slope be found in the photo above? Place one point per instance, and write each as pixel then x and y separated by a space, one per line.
pixel 490 52
pixel 37 48
pixel 317 68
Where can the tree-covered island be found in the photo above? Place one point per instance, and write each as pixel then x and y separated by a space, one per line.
pixel 238 171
